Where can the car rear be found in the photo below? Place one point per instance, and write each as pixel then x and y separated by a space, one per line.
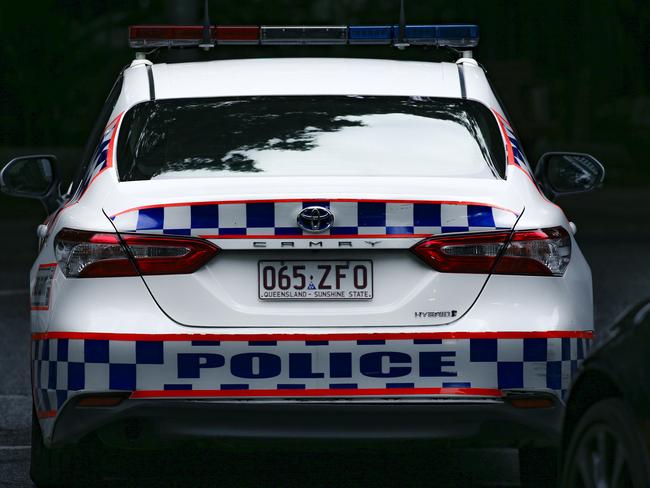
pixel 268 265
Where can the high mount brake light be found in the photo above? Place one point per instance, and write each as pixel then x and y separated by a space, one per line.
pixel 152 36
pixel 544 252
pixel 83 254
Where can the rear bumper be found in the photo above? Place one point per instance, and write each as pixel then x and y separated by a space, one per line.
pixel 155 423
pixel 431 371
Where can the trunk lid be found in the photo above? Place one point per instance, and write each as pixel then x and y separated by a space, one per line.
pixel 376 220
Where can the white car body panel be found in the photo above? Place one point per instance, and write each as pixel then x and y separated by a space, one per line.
pixel 206 306
pixel 317 76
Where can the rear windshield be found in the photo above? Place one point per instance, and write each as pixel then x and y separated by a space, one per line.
pixel 309 135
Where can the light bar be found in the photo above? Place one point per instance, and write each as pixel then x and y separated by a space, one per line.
pixel 461 35
pixel 288 35
pixel 236 34
pixel 454 35
pixel 149 36
pixel 371 34
pixel 458 35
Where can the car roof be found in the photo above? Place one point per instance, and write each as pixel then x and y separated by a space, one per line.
pixel 306 76
pixel 144 80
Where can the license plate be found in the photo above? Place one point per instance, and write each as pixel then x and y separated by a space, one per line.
pixel 315 280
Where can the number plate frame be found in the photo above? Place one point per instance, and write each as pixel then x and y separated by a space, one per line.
pixel 289 262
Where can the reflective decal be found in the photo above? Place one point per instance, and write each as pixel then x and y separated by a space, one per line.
pixel 204 367
pixel 279 219
pixel 40 296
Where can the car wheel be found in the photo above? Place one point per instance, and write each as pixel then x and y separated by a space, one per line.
pixel 41 461
pixel 538 467
pixel 605 450
pixel 54 468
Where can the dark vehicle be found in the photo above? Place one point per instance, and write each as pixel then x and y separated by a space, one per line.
pixel 606 437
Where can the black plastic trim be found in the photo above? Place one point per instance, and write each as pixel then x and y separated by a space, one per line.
pixel 152 85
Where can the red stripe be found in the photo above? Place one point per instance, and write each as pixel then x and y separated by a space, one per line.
pixel 39 308
pixel 117 117
pixel 511 157
pixel 555 334
pixel 111 144
pixel 46 414
pixel 504 133
pixel 92 180
pixel 47 265
pixel 324 392
pixel 109 153
pixel 534 183
pixel 316 237
pixel 290 200
pixel 502 119
pixel 58 213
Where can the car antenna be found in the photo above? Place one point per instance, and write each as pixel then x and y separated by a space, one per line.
pixel 401 33
pixel 206 42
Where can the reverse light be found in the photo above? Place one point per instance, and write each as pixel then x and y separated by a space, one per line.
pixel 83 254
pixel 543 252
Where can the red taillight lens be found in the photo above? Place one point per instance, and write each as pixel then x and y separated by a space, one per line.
pixel 544 252
pixel 83 254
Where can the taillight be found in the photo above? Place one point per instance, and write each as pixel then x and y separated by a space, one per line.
pixel 83 254
pixel 544 252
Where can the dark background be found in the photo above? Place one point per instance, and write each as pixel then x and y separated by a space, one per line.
pixel 573 74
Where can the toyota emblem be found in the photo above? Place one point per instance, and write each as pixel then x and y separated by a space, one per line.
pixel 315 219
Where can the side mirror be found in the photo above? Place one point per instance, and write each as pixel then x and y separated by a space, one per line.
pixel 33 177
pixel 568 173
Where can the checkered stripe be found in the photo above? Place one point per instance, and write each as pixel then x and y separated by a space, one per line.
pixel 517 157
pixel 100 158
pixel 279 219
pixel 532 363
pixel 62 367
pixel 517 152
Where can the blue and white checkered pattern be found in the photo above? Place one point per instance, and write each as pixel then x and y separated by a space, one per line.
pixel 517 152
pixel 62 367
pixel 100 157
pixel 531 363
pixel 280 219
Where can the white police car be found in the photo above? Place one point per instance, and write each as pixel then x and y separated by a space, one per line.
pixel 361 236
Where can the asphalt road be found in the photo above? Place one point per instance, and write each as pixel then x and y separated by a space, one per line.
pixel 613 232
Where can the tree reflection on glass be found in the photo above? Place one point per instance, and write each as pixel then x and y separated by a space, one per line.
pixel 183 137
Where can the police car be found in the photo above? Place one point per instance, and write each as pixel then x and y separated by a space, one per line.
pixel 357 245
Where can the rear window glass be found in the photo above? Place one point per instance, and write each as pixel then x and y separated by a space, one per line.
pixel 309 135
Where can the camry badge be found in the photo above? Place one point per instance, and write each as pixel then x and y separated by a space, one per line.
pixel 315 219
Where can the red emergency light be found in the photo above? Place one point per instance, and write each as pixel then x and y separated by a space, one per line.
pixel 236 34
pixel 152 36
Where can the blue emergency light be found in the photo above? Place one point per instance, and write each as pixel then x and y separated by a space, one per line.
pixel 458 35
